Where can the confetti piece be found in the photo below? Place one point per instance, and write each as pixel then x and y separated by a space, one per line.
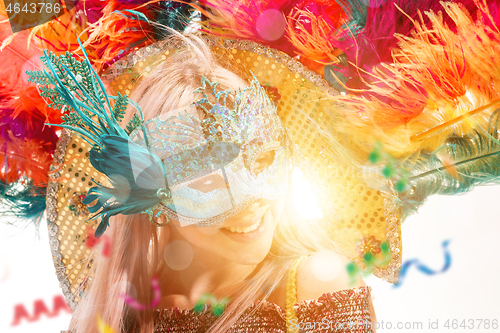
pixel 379 257
pixel 132 302
pixel 391 170
pixel 103 327
pixel 424 269
pixel 204 299
pixel 401 185
pixel 388 170
pixel 353 271
pixel 106 246
pixel 376 154
pixel 92 241
pixel 218 307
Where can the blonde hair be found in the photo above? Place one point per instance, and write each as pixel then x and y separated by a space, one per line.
pixel 137 254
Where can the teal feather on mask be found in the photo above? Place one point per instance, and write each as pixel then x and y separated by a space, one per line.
pixel 137 176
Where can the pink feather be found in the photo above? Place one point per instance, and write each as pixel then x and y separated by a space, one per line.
pixel 375 42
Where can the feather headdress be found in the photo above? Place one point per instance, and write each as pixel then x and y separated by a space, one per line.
pixel 419 78
pixel 418 82
pixel 27 144
pixel 435 105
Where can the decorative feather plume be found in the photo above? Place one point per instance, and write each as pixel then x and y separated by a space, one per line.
pixel 29 109
pixel 301 23
pixel 22 200
pixel 15 52
pixel 126 25
pixel 461 164
pixel 23 158
pixel 24 165
pixel 312 34
pixel 371 36
pixel 135 175
pixel 122 27
pixel 235 20
pixel 171 14
pixel 443 77
pixel 432 101
pixel 134 172
pixel 59 35
pixel 27 144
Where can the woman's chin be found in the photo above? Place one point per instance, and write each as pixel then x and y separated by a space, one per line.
pixel 252 247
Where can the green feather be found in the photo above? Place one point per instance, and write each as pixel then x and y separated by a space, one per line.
pixel 475 161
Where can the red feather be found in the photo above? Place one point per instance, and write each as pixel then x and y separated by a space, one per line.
pixel 24 158
pixel 29 105
pixel 18 57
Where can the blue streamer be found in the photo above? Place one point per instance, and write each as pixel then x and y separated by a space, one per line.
pixel 424 269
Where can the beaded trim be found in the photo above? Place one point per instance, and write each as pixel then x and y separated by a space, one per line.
pixel 291 294
pixel 156 48
pixel 247 324
pixel 390 274
pixel 53 229
pixel 353 293
pixel 262 315
pixel 206 222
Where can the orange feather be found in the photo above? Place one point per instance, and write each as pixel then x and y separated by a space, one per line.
pixel 438 76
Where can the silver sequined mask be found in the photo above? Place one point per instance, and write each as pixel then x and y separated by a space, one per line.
pixel 217 166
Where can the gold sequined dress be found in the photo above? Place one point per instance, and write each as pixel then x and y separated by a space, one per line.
pixel 341 311
pixel 344 311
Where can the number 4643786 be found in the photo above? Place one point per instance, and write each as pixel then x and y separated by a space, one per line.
pixel 472 324
pixel 33 8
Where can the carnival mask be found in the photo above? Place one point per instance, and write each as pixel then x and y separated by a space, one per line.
pixel 196 171
pixel 217 166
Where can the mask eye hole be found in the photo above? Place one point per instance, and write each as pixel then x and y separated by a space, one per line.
pixel 264 161
pixel 208 183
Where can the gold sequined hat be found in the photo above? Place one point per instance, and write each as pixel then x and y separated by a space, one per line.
pixel 359 218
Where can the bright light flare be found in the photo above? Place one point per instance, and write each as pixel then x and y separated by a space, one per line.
pixel 305 199
pixel 326 266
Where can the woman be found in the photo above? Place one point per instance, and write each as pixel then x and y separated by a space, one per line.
pixel 427 122
pixel 246 254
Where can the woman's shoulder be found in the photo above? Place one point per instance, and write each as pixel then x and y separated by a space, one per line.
pixel 328 296
pixel 321 273
pixel 324 272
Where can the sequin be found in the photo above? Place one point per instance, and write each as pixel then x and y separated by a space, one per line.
pixel 76 205
pixel 345 306
pixel 368 245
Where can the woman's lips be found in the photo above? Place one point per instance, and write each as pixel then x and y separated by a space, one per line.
pixel 253 235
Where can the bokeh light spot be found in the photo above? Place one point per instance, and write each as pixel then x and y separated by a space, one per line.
pixel 326 265
pixel 178 255
pixel 271 24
